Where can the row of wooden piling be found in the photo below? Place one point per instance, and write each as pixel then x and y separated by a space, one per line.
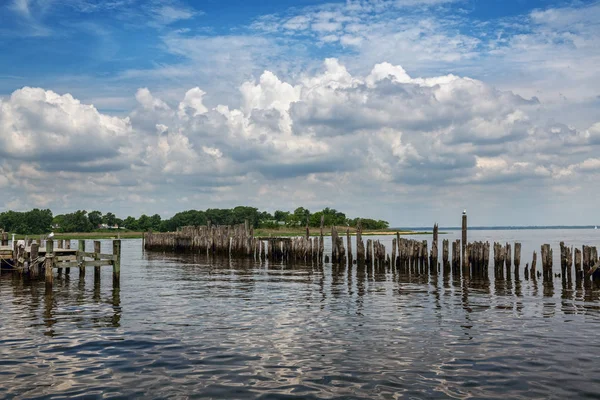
pixel 406 254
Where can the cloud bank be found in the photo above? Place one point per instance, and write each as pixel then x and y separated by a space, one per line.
pixel 328 138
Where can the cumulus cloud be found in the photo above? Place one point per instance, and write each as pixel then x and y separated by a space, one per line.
pixel 330 130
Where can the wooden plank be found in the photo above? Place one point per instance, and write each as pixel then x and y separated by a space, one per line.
pixel 97 263
pixel 95 255
pixel 66 264
pixel 77 264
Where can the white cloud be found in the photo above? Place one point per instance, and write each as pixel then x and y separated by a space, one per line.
pixel 353 135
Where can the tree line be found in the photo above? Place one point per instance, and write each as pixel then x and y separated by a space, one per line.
pixel 39 221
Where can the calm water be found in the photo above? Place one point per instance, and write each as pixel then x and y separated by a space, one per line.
pixel 181 326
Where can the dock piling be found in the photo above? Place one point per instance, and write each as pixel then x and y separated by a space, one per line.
pixel 116 262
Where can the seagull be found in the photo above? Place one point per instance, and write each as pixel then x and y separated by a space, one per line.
pixel 465 211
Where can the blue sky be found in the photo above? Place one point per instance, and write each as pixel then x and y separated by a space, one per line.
pixel 220 103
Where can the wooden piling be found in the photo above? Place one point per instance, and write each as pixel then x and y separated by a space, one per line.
pixel 464 236
pixel 517 257
pixel 116 262
pixel 97 251
pixel 34 263
pixel 445 263
pixel 578 269
pixel 546 253
pixel 349 245
pixel 49 262
pixel 508 259
pixel 80 250
pixel 360 245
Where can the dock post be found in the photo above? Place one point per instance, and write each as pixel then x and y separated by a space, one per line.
pixel 49 261
pixel 116 262
pixel 97 251
pixel 34 264
pixel 464 237
pixel 81 257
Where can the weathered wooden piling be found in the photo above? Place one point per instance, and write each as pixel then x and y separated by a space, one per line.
pixel 578 268
pixel 116 262
pixel 321 241
pixel 97 251
pixel 464 236
pixel 533 264
pixel 49 262
pixel 394 249
pixel 34 266
pixel 349 246
pixel 81 249
pixel 456 256
pixel 508 259
pixel 546 254
pixel 434 251
pixel 517 257
pixel 446 264
pixel 360 245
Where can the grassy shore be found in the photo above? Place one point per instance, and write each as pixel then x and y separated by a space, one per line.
pixel 92 235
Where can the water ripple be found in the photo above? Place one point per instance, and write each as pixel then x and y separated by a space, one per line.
pixel 186 326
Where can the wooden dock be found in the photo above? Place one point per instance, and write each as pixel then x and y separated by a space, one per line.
pixel 28 257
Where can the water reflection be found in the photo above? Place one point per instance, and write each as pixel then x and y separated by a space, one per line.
pixel 191 324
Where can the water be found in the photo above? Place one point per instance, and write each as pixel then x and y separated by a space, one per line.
pixel 181 326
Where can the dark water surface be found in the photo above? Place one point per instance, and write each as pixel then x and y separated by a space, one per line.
pixel 184 326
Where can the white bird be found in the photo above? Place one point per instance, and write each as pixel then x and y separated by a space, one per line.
pixel 465 211
pixel 51 235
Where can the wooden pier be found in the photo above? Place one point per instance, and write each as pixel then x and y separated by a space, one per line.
pixel 28 257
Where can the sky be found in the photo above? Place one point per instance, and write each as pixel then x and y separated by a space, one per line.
pixel 403 110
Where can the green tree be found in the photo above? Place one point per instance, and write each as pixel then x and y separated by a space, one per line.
pixel 298 217
pixel 95 218
pixel 74 222
pixel 155 222
pixel 35 221
pixel 109 219
pixel 281 215
pixel 130 223
pixel 144 223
